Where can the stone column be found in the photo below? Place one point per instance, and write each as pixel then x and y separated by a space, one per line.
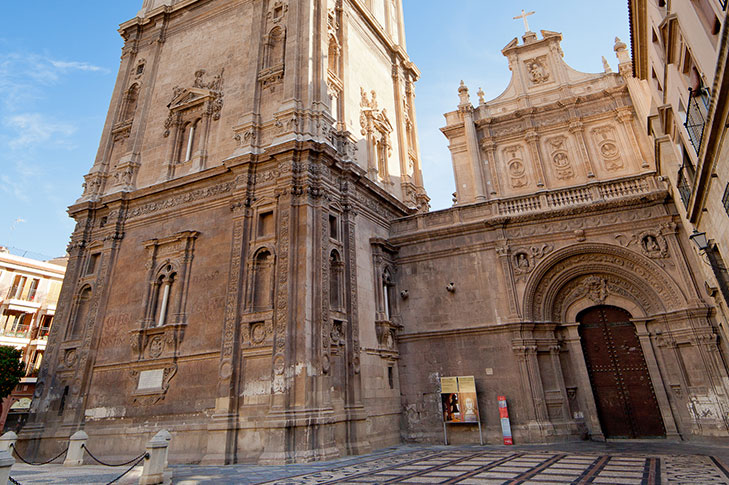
pixel 625 117
pixel 577 128
pixel 584 387
pixel 493 184
pixel 532 138
pixel 474 153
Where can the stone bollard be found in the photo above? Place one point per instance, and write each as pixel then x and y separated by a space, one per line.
pixel 7 441
pixel 75 454
pixel 164 434
pixel 154 466
pixel 6 462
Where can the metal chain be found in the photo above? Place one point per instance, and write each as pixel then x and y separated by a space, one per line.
pixel 38 464
pixel 143 457
pixel 109 464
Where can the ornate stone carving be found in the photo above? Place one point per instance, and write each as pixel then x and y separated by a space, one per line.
pixel 642 280
pixel 204 96
pixel 515 166
pixel 537 70
pixel 558 154
pixel 606 140
pixel 182 199
pixel 525 259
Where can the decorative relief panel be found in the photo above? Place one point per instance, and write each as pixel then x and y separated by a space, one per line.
pixel 515 166
pixel 558 154
pixel 537 70
pixel 376 127
pixel 525 259
pixel 606 140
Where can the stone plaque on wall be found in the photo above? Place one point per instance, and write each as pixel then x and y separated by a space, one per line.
pixel 150 379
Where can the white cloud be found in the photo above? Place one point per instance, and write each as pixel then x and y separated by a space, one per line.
pixel 80 66
pixel 34 128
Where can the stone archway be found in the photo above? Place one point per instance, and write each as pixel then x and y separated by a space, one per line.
pixel 594 274
pixel 579 277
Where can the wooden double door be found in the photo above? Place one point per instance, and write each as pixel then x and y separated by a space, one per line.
pixel 626 402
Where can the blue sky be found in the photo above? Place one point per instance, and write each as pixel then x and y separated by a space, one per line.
pixel 58 65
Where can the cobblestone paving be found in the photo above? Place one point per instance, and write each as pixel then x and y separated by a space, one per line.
pixel 629 464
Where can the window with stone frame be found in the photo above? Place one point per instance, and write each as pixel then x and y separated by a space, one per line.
pixel 189 141
pixel 725 199
pixel 275 50
pixel 336 282
pixel 388 294
pixel 80 314
pixel 164 305
pixel 162 292
pixel 262 281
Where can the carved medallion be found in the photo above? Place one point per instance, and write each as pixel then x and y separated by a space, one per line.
pixel 156 346
pixel 537 70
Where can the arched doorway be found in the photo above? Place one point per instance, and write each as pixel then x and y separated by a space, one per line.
pixel 626 402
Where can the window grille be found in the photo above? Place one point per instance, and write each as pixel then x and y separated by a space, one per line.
pixel 725 199
pixel 698 111
pixel 684 188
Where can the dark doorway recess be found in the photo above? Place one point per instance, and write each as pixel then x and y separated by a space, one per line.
pixel 622 387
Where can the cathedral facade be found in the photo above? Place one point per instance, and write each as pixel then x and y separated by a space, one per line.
pixel 254 267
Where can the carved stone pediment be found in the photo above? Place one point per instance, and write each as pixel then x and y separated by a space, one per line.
pixel 188 98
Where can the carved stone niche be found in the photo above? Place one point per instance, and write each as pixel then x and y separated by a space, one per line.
pixel 162 328
pixel 387 334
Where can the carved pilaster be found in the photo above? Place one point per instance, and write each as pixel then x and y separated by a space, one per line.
pixel 532 139
pixel 577 128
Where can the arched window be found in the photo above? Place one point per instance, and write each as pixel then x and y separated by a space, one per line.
pixel 263 280
pixel 275 47
pixel 163 295
pixel 336 279
pixel 188 141
pixel 83 302
pixel 388 288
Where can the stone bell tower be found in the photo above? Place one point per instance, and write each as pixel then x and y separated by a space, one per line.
pixel 227 275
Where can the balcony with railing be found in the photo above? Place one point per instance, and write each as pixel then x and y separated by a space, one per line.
pixel 696 115
pixel 20 331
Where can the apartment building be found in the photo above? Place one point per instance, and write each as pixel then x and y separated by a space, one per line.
pixel 680 53
pixel 29 291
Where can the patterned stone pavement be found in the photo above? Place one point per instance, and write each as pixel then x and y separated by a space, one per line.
pixel 576 463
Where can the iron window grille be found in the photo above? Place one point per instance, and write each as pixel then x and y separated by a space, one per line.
pixel 684 188
pixel 698 111
pixel 725 199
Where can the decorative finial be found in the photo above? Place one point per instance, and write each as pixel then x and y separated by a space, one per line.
pixel 606 65
pixel 619 45
pixel 523 16
pixel 481 95
pixel 463 94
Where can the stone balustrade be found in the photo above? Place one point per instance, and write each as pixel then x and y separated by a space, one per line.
pixel 545 201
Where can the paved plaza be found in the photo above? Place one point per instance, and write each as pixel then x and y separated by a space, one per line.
pixel 631 463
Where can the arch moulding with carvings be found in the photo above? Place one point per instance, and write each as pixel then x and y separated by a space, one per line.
pixel 580 276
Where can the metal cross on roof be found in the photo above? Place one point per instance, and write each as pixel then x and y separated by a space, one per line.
pixel 524 16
